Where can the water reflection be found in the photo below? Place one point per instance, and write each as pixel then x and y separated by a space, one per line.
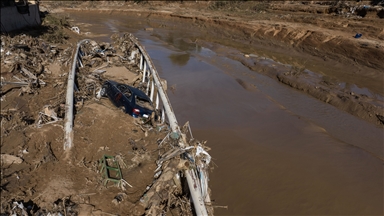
pixel 179 59
pixel 183 44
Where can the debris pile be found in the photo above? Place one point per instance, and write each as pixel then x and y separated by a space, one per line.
pixel 26 64
pixel 32 54
pixel 40 178
pixel 96 59
pixel 169 192
pixel 352 9
pixel 166 192
pixel 32 91
pixel 59 207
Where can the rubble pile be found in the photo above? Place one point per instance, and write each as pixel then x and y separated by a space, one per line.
pixel 25 63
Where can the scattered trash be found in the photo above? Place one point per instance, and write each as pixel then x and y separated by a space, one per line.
pixel 119 198
pixel 27 59
pixel 120 161
pixel 76 29
pixel 21 207
pixel 48 116
pixel 176 158
pixel 358 35
pixel 94 65
pixel 205 157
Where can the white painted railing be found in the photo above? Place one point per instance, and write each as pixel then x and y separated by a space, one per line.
pixel 191 175
pixel 68 133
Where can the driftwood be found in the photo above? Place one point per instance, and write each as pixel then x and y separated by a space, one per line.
pixel 162 189
pixel 15 83
pixel 32 78
pixel 48 116
pixel 10 159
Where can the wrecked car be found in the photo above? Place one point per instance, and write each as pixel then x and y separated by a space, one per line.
pixel 133 101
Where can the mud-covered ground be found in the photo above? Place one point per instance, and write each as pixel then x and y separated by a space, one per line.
pixel 35 170
pixel 315 39
pixel 314 42
pixel 39 177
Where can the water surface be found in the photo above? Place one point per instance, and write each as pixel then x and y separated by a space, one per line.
pixel 277 151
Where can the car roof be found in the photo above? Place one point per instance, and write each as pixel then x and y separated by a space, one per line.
pixel 134 90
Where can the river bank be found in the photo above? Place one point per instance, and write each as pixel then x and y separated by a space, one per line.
pixel 318 52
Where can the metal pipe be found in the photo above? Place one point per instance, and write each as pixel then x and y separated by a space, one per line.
pixel 81 64
pixel 198 200
pixel 141 61
pixel 157 100
pixel 144 74
pixel 145 69
pixel 149 81
pixel 68 135
pixel 152 89
pixel 162 116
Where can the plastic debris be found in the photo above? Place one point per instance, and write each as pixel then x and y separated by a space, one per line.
pixel 76 29
pixel 48 116
pixel 21 207
pixel 203 154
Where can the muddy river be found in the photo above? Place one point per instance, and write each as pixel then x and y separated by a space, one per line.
pixel 276 151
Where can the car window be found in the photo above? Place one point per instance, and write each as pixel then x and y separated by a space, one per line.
pixel 128 94
pixel 122 88
pixel 143 102
pixel 125 90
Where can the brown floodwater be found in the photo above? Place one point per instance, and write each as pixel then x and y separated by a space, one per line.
pixel 276 151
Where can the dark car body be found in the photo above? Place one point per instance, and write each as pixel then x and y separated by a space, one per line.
pixel 135 102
